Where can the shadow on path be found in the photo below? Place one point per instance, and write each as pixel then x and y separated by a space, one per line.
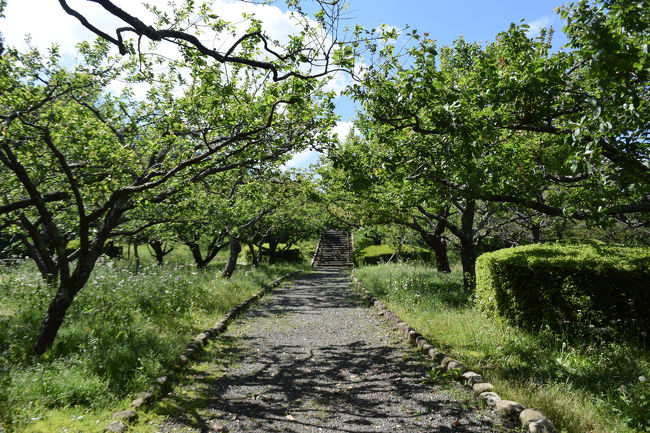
pixel 311 358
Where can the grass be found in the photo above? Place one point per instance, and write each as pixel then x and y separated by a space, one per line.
pixel 123 330
pixel 586 386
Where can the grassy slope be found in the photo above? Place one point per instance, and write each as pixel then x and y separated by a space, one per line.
pixel 586 387
pixel 123 330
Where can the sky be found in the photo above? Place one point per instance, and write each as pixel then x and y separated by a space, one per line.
pixel 475 20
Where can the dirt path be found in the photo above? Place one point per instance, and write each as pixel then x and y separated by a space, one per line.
pixel 312 358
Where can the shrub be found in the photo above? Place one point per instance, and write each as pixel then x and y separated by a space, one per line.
pixel 569 286
pixel 291 255
pixel 375 254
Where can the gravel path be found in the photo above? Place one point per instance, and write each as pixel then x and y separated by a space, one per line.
pixel 312 358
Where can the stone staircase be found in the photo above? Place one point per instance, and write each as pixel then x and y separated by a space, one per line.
pixel 334 249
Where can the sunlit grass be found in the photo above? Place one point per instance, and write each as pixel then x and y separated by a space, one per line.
pixel 124 329
pixel 587 386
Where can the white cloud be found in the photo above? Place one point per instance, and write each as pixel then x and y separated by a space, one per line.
pixel 47 22
pixel 303 159
pixel 539 23
pixel 342 129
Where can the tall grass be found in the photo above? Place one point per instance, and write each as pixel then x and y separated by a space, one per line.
pixel 123 329
pixel 587 386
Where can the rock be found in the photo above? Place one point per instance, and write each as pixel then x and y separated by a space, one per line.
pixel 426 347
pixel 480 388
pixel 413 335
pixel 474 379
pixel 116 426
pixel 201 339
pixel 530 415
pixel 541 426
pixel 509 407
pixel 126 415
pixel 490 398
pixel 436 355
pixel 445 361
pixel 469 374
pixel 419 341
pixel 455 365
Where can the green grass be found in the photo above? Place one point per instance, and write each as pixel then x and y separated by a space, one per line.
pixel 587 386
pixel 123 330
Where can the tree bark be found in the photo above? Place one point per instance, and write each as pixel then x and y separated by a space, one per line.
pixel 160 250
pixel 136 255
pixel 273 247
pixel 439 246
pixel 235 249
pixel 55 314
pixel 254 256
pixel 467 247
pixel 536 230
pixel 195 248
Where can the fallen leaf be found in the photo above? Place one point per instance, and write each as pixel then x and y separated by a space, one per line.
pixel 290 418
pixel 455 423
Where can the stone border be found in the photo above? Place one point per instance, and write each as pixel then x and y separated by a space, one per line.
pixel 531 419
pixel 193 348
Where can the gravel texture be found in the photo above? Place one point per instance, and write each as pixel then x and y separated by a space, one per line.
pixel 312 358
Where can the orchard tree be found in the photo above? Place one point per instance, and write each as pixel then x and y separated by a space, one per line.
pixel 77 159
pixel 553 132
pixel 297 216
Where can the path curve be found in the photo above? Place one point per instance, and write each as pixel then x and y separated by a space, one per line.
pixel 312 358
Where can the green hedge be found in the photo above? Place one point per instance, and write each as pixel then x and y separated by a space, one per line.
pixel 375 254
pixel 574 288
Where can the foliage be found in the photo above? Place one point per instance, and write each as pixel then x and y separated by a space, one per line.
pixel 579 288
pixel 375 254
pixel 286 255
pixel 584 386
pixel 78 161
pixel 153 314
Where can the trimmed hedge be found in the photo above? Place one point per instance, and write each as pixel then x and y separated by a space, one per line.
pixel 569 287
pixel 375 254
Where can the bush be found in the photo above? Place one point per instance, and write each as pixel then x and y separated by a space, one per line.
pixel 291 255
pixel 572 287
pixel 375 254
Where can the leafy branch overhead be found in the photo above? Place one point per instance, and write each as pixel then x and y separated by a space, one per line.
pixel 315 46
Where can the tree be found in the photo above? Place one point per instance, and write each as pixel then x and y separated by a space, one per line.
pixel 504 122
pixel 77 159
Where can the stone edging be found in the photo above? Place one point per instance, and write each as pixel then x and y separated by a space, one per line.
pixel 193 348
pixel 531 419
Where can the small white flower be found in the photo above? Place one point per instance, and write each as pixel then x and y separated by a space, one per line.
pixel 642 379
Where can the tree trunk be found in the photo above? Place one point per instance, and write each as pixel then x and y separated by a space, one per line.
pixel 235 248
pixel 439 246
pixel 137 257
pixel 195 248
pixel 467 248
pixel 273 247
pixel 254 257
pixel 536 229
pixel 160 251
pixel 54 317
